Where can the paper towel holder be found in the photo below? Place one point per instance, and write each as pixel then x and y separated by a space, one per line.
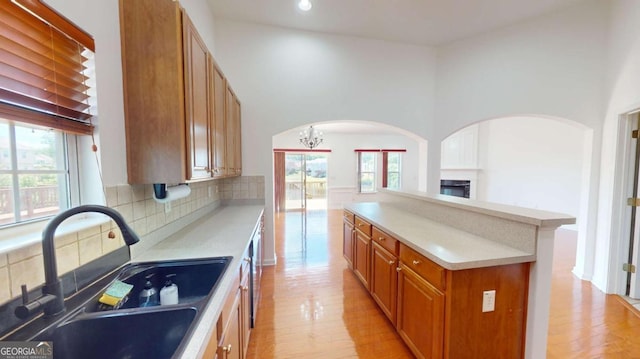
pixel 161 192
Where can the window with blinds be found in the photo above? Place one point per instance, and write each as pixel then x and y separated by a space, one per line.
pixel 45 68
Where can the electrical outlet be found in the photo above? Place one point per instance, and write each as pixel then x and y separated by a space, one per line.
pixel 167 207
pixel 488 301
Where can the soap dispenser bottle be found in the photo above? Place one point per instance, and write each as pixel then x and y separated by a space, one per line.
pixel 149 295
pixel 169 293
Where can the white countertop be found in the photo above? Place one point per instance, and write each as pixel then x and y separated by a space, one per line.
pixel 537 217
pixel 449 247
pixel 225 232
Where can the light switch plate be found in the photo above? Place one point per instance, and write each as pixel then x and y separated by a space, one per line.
pixel 488 301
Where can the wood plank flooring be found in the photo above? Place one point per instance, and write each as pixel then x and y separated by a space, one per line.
pixel 312 306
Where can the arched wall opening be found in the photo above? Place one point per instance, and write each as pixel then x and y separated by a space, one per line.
pixel 343 138
pixel 528 161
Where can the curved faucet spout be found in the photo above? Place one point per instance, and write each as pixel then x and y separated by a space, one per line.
pixel 53 285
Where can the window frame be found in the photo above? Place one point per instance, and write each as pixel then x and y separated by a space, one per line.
pixel 373 173
pixel 68 191
pixel 386 171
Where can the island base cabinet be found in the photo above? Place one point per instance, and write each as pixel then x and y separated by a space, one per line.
pixel 384 280
pixel 421 311
pixel 362 257
pixel 498 334
pixel 348 238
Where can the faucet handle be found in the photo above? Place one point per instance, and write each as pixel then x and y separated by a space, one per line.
pixel 25 294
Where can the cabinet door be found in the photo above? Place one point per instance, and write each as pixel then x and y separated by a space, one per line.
pixel 384 280
pixel 245 309
pixel 230 131
pixel 237 136
pixel 420 320
pixel 362 257
pixel 347 241
pixel 196 60
pixel 153 85
pixel 230 342
pixel 218 127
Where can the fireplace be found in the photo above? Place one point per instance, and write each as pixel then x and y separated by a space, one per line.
pixel 458 188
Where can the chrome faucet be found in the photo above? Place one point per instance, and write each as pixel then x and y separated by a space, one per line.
pixel 52 299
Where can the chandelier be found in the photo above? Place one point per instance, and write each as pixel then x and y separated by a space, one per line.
pixel 311 138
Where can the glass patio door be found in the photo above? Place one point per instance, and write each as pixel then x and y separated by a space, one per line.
pixel 305 181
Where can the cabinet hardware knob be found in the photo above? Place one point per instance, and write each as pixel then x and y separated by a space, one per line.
pixel 227 349
pixel 248 260
pixel 391 262
pixel 398 269
pixel 245 288
pixel 381 238
pixel 360 224
pixel 416 262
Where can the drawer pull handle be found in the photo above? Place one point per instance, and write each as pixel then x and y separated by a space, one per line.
pixel 416 262
pixel 398 269
pixel 391 262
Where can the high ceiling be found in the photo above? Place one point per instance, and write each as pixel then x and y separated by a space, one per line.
pixel 422 22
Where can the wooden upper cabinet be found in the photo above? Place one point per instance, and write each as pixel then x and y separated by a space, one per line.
pixel 179 108
pixel 196 59
pixel 153 85
pixel 233 145
pixel 218 126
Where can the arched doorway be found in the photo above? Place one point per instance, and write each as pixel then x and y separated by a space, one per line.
pixel 528 161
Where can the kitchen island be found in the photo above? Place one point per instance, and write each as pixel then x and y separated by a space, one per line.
pixel 481 270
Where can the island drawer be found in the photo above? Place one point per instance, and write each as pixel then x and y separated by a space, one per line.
pixel 389 243
pixel 426 268
pixel 363 226
pixel 348 216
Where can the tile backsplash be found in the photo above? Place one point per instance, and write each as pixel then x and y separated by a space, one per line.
pixel 136 204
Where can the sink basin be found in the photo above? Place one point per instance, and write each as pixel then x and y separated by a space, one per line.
pixel 140 334
pixel 195 278
pixel 86 331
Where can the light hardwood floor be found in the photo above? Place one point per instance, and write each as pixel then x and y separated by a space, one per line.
pixel 312 306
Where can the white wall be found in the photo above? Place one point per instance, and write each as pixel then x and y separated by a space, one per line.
pixel 531 162
pixel 550 66
pixel 286 79
pixel 622 95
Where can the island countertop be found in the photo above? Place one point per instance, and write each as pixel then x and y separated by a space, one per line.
pixel 226 231
pixel 449 247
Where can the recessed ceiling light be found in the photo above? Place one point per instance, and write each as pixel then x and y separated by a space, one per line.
pixel 304 5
